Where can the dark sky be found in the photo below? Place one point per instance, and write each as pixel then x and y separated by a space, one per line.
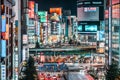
pixel 65 4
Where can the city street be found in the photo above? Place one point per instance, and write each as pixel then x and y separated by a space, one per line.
pixel 78 76
pixel 59 39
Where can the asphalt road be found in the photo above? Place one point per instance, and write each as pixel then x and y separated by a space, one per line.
pixel 76 76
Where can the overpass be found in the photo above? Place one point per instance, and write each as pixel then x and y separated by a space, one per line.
pixel 63 49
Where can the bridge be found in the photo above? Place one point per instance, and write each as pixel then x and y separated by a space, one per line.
pixel 66 49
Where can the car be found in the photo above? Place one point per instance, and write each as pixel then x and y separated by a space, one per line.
pixel 54 77
pixel 48 77
pixel 83 72
pixel 42 76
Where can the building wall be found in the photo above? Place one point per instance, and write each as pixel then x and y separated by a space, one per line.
pixel 7 36
pixel 115 30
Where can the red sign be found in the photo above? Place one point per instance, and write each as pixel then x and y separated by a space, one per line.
pixel 31 7
pixel 56 10
pixel 115 1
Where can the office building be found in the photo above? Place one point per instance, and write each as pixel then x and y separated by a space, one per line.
pixel 115 31
pixel 7 17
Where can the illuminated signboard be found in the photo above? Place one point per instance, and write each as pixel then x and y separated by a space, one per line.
pixel 31 7
pixel 25 39
pixel 3 23
pixel 89 9
pixel 115 11
pixel 88 13
pixel 36 7
pixel 91 28
pixel 43 16
pixel 56 10
pixel 115 1
pixel 3 72
pixel 5 35
pixel 7 32
pixel 79 28
pixel 42 13
pixel 3 49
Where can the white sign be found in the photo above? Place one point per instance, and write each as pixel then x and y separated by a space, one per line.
pixel 3 72
pixel 24 54
pixel 25 39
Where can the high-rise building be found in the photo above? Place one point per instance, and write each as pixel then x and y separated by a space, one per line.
pixel 112 40
pixel 6 42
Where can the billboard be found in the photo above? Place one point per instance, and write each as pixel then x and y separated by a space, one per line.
pixel 43 16
pixel 56 10
pixel 7 32
pixel 5 35
pixel 0 23
pixel 100 35
pixel 3 72
pixel 3 48
pixel 3 23
pixel 91 28
pixel 115 1
pixel 36 7
pixel 88 13
pixel 38 29
pixel 116 12
pixel 31 7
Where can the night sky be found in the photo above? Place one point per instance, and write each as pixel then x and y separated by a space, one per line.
pixel 65 4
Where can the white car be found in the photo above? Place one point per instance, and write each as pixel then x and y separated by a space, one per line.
pixel 83 72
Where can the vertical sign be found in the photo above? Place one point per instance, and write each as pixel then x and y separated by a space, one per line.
pixel 36 7
pixel 7 32
pixel 43 16
pixel 3 23
pixel 25 39
pixel 3 45
pixel 31 7
pixel 3 72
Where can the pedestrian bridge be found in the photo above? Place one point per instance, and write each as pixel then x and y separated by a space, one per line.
pixel 67 48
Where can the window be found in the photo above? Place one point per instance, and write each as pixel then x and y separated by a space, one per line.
pixel 2 9
pixel 7 10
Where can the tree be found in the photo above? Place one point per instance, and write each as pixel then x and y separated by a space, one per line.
pixel 37 45
pixel 30 72
pixel 70 41
pixel 112 72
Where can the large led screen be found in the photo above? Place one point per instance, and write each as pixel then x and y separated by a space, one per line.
pixel 91 28
pixel 88 13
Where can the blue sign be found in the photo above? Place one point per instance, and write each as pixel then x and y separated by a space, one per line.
pixel 0 23
pixel 3 24
pixel 79 28
pixel 90 27
pixel 16 23
pixel 101 35
pixel 3 49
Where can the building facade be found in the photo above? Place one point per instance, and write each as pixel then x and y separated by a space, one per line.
pixel 7 16
pixel 115 31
